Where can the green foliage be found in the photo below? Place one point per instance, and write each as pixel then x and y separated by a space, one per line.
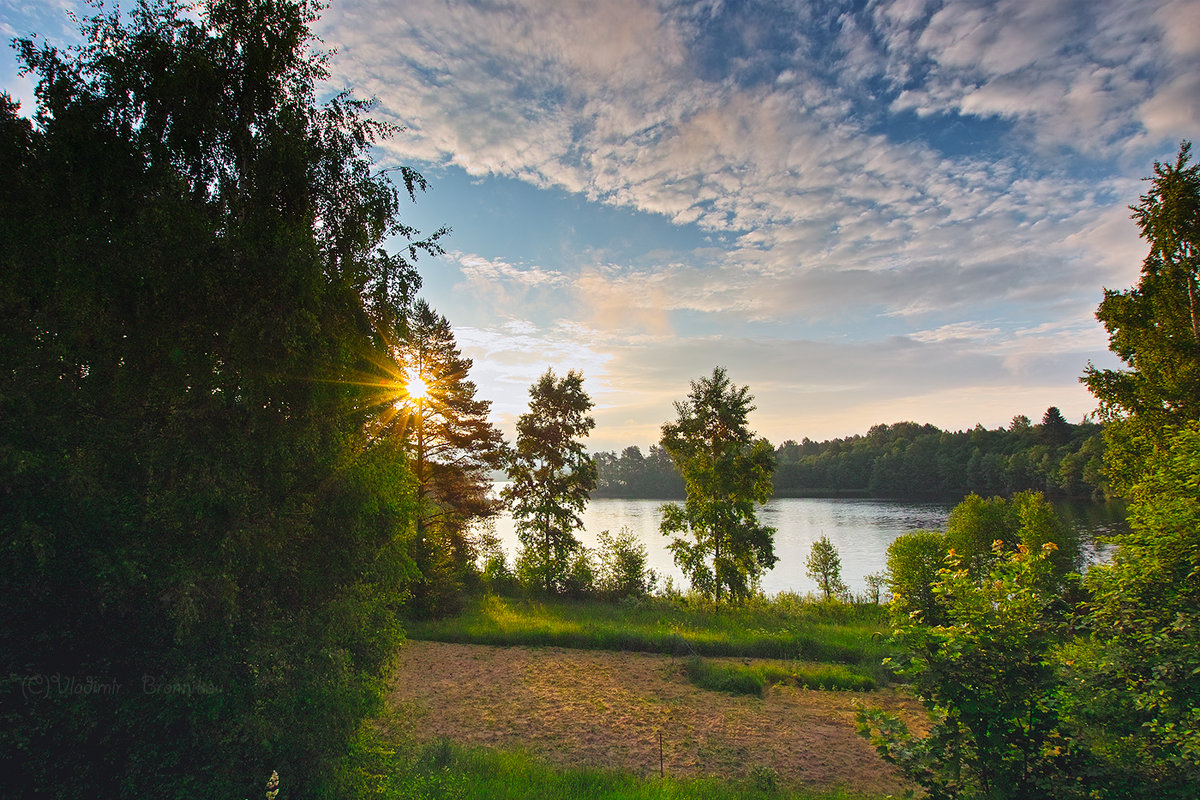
pixel 914 563
pixel 1143 658
pixel 1027 519
pixel 718 541
pixel 975 527
pixel 1020 709
pixel 580 579
pixel 875 582
pixel 455 449
pixel 986 675
pixel 551 476
pixel 632 474
pixel 824 566
pixel 200 509
pixel 1155 326
pixel 786 627
pixel 622 572
pixel 921 461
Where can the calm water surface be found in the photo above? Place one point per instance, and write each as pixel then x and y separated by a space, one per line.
pixel 861 530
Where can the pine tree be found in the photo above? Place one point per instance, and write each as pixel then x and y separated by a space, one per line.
pixel 455 447
pixel 551 476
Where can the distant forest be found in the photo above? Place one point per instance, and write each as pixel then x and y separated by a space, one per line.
pixel 905 460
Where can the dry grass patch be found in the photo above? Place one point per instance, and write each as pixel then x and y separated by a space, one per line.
pixel 604 709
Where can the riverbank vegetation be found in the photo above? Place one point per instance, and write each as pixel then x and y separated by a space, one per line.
pixel 1040 684
pixel 903 460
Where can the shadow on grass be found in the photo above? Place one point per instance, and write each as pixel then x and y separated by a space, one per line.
pixel 783 628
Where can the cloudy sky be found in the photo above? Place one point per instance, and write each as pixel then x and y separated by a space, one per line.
pixel 867 211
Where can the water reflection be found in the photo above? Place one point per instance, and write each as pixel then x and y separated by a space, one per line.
pixel 861 530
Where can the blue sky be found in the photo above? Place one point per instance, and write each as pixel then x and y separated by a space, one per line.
pixel 867 211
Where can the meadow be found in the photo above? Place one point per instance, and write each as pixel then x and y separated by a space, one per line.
pixel 784 627
pixel 663 697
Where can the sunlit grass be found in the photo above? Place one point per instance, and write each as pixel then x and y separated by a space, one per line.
pixel 445 770
pixel 787 628
pixel 753 679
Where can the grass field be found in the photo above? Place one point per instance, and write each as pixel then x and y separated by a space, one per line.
pixel 785 627
pixel 634 713
pixel 521 697
pixel 755 678
pixel 442 770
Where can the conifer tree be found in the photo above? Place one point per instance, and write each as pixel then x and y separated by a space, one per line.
pixel 551 475
pixel 455 447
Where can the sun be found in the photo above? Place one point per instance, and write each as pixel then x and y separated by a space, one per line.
pixel 417 389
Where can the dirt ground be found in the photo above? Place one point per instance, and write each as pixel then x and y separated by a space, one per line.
pixel 603 709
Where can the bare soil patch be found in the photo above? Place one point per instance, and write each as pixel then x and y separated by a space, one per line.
pixel 606 709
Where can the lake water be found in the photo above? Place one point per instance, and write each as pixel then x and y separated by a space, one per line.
pixel 861 530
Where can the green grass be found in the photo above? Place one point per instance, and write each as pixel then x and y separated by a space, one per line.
pixel 785 627
pixel 444 770
pixel 755 678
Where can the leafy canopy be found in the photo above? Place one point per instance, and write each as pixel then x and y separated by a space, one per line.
pixel 551 475
pixel 824 566
pixel 718 541
pixel 1155 326
pixel 192 281
pixel 454 448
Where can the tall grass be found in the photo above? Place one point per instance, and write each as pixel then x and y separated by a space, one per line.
pixel 755 678
pixel 443 770
pixel 785 627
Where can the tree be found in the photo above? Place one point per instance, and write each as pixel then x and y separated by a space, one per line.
pixel 454 449
pixel 914 562
pixel 622 561
pixel 195 508
pixel 1155 326
pixel 718 541
pixel 986 675
pixel 551 476
pixel 1027 519
pixel 1135 686
pixel 1054 430
pixel 1136 678
pixel 824 566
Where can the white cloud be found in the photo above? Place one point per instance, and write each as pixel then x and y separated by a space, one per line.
pixel 477 269
pixel 832 214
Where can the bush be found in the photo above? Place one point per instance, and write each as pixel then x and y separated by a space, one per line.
pixel 913 563
pixel 580 580
pixel 824 566
pixel 986 674
pixel 622 568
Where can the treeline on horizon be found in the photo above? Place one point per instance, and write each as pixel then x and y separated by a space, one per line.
pixel 905 460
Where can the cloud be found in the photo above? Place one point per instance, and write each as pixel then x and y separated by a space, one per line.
pixel 1072 74
pixel 477 269
pixel 926 179
pixel 621 108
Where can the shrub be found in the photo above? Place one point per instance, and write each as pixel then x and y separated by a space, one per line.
pixel 622 568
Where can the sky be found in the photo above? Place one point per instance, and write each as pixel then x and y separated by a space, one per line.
pixel 867 211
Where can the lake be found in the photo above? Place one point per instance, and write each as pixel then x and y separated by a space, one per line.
pixel 860 529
